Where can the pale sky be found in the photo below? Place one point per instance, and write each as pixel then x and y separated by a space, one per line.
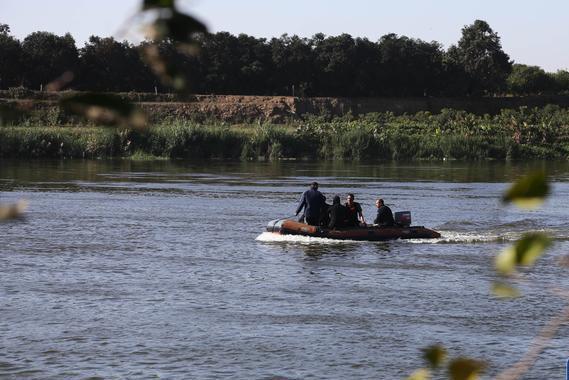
pixel 532 32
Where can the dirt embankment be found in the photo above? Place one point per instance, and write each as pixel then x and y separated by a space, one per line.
pixel 280 109
pixel 229 108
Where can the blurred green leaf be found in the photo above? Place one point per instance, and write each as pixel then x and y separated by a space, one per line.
pixel 104 109
pixel 420 374
pixel 465 369
pixel 529 191
pixel 178 27
pixel 505 262
pixel 525 252
pixel 166 71
pixel 503 290
pixel 435 355
pixel 153 4
pixel 13 211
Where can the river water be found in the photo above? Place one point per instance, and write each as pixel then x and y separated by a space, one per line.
pixel 126 269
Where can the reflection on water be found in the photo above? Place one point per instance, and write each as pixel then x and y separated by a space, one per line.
pixel 161 269
pixel 349 173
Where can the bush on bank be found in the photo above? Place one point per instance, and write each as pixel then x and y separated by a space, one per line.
pixel 512 134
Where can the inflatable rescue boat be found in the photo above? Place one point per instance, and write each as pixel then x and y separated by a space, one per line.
pixel 401 230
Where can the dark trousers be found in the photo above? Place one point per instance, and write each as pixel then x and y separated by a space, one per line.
pixel 313 220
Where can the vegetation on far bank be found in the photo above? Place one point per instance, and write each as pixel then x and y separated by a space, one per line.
pixel 513 134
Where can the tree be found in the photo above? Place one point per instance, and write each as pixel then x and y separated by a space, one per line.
pixel 526 80
pixel 335 59
pixel 480 53
pixel 108 65
pixel 256 66
pixel 293 63
pixel 47 56
pixel 561 81
pixel 409 67
pixel 179 65
pixel 456 80
pixel 366 80
pixel 10 59
pixel 219 57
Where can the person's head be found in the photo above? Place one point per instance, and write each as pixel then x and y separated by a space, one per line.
pixel 379 203
pixel 314 185
pixel 336 200
pixel 350 198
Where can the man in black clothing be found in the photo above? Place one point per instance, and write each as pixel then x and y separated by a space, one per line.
pixel 312 202
pixel 338 214
pixel 354 210
pixel 325 215
pixel 384 215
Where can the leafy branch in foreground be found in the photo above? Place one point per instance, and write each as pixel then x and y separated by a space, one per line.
pixel 460 368
pixel 538 344
pixel 105 109
pixel 524 253
pixel 528 192
pixel 173 26
pixel 169 25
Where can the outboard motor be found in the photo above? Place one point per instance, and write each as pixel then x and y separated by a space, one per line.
pixel 402 218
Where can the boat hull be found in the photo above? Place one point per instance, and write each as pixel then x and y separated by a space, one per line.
pixel 292 227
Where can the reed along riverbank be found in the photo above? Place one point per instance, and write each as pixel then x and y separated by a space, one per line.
pixel 524 133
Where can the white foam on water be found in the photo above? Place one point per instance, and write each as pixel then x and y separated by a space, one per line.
pixel 447 237
pixel 272 237
pixel 450 237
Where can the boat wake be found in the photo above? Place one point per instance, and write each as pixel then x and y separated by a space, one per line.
pixel 271 237
pixel 455 237
pixel 447 237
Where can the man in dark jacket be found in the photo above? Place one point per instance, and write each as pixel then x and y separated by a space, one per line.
pixel 384 215
pixel 338 214
pixel 312 202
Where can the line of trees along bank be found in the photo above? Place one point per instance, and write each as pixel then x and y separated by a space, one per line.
pixel 340 66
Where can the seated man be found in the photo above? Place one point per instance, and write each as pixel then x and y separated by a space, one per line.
pixel 337 214
pixel 384 216
pixel 355 213
pixel 325 215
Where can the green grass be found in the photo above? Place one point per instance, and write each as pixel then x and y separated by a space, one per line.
pixel 513 134
pixel 51 142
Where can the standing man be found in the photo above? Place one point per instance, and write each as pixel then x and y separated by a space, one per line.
pixel 384 216
pixel 312 202
pixel 355 213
